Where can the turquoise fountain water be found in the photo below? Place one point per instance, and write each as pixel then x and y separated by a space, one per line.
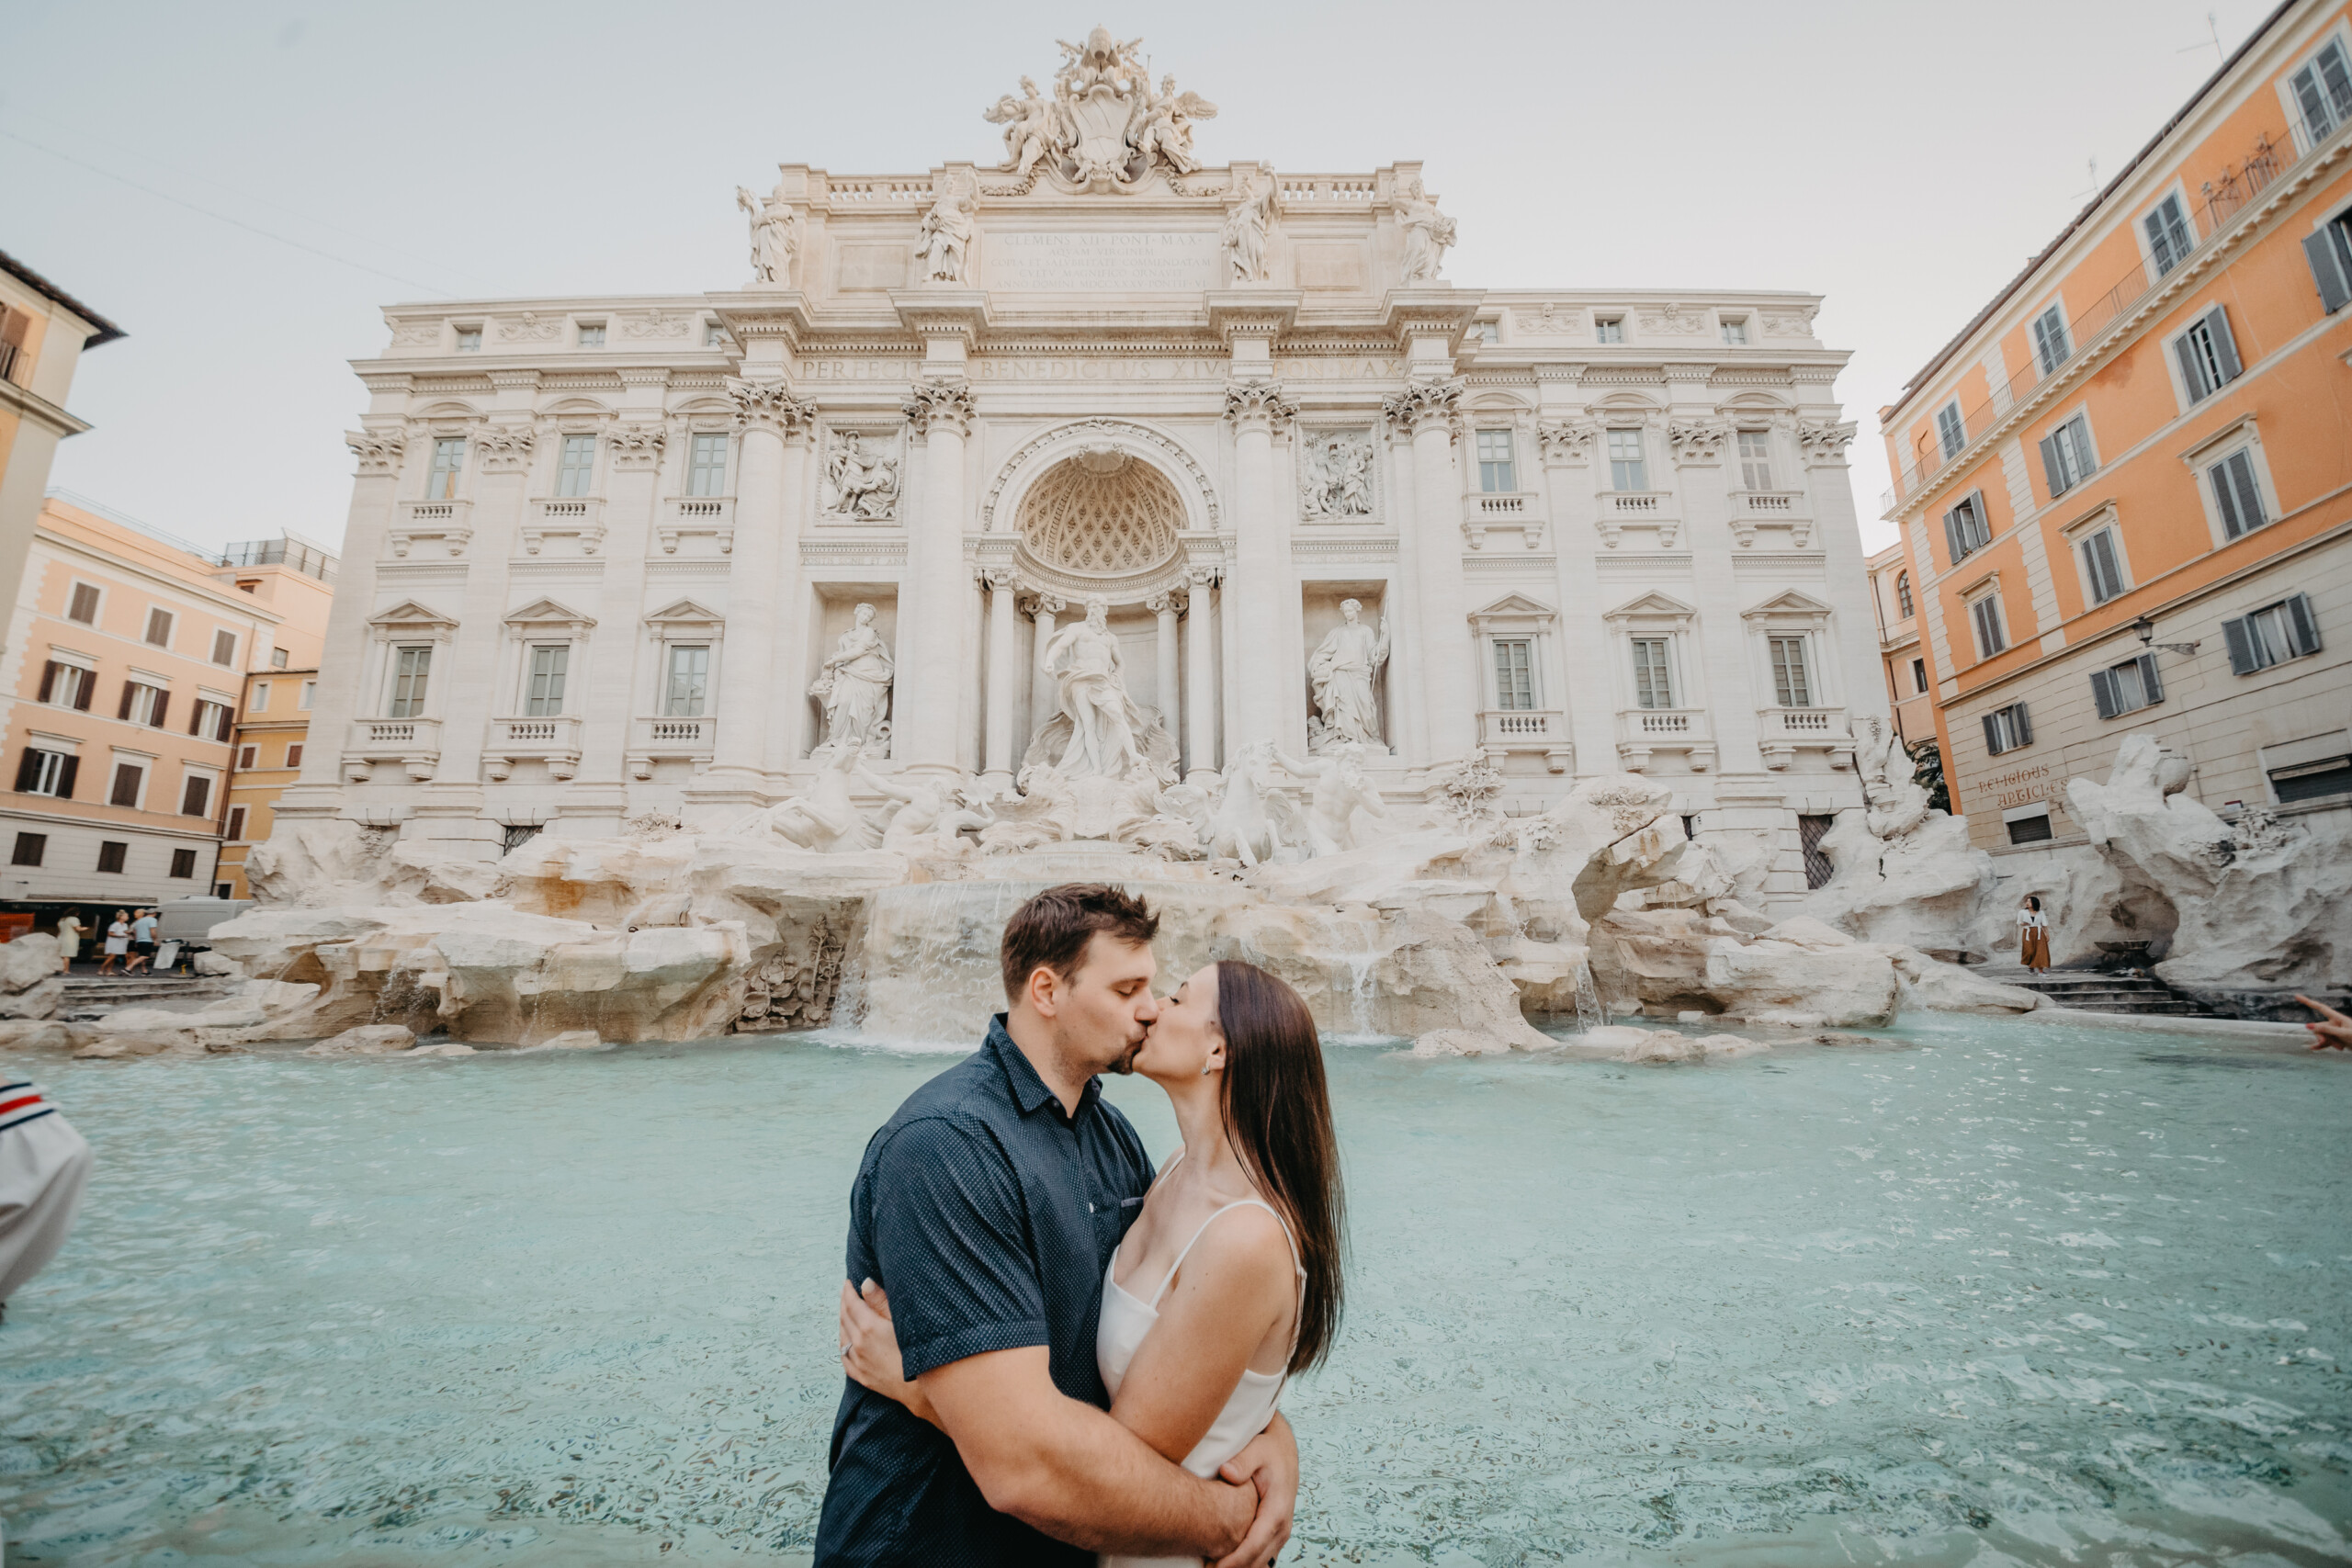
pixel 2003 1294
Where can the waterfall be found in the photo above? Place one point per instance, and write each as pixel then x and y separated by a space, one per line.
pixel 1591 1013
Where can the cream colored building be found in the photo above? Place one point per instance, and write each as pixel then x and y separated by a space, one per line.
pixel 43 332
pixel 1910 683
pixel 601 547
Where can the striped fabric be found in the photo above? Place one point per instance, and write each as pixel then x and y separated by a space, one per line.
pixel 20 1102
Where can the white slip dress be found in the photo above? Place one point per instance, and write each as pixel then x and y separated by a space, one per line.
pixel 1120 1331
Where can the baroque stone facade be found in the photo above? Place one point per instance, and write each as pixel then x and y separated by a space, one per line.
pixel 603 552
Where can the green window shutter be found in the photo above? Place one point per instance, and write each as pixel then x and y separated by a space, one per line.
pixel 2103 692
pixel 2326 259
pixel 2225 348
pixel 2192 369
pixel 2052 468
pixel 2240 637
pixel 2302 626
pixel 2024 724
pixel 2150 683
pixel 1991 736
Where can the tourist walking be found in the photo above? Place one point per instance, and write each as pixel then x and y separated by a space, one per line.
pixel 117 941
pixel 2034 935
pixel 69 941
pixel 143 942
pixel 43 1164
pixel 990 1310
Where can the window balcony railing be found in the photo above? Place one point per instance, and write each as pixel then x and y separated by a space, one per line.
pixel 670 739
pixel 570 516
pixel 686 515
pixel 1783 732
pixel 413 743
pixel 449 524
pixel 2087 326
pixel 555 741
pixel 1522 510
pixel 1527 729
pixel 1641 731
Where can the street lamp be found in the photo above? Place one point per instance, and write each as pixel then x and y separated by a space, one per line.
pixel 2145 629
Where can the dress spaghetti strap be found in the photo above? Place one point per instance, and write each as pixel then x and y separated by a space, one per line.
pixel 1169 1278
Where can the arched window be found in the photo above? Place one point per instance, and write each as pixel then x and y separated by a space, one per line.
pixel 1902 593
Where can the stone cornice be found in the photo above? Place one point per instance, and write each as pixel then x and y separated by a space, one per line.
pixel 1251 312
pixel 936 311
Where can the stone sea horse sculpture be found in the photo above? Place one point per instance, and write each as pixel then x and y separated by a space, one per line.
pixel 824 820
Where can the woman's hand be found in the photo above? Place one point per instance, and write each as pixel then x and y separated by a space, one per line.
pixel 2334 1029
pixel 870 1348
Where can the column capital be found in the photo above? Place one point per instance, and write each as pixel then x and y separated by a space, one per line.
pixel 1045 604
pixel 1202 575
pixel 1429 405
pixel 999 578
pixel 1697 442
pixel 378 452
pixel 771 406
pixel 945 406
pixel 636 447
pixel 1167 603
pixel 1567 440
pixel 1824 443
pixel 1259 405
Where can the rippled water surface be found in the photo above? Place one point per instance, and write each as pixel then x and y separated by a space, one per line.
pixel 1998 1292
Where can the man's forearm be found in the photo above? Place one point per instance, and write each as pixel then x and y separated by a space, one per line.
pixel 1089 1482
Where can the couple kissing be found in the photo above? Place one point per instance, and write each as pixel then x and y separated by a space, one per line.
pixel 1054 1356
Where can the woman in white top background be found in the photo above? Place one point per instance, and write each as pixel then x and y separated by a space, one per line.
pixel 2034 935
pixel 1231 1278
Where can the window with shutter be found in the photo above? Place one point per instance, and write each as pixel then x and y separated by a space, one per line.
pixel 2271 635
pixel 294 755
pixel 1951 434
pixel 84 605
pixel 1919 677
pixel 27 769
pixel 236 823
pixel 183 863
pixel 30 848
pixel 196 794
pixel 2103 696
pixel 2208 354
pixel 127 777
pixel 2322 92
pixel 2168 238
pixel 2050 345
pixel 49 678
pixel 2313 781
pixel 2102 570
pixel 65 777
pixel 1991 635
pixel 224 648
pixel 1992 742
pixel 112 855
pixel 159 627
pixel 1965 529
pixel 2236 495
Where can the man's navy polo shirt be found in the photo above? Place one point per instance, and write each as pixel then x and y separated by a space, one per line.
pixel 990 1217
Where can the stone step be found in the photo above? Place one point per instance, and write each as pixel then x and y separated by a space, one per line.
pixel 2111 993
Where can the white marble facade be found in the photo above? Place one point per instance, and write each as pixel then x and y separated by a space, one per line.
pixel 600 550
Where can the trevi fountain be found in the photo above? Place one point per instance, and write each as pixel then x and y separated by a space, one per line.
pixel 712 673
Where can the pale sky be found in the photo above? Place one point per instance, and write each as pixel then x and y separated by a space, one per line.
pixel 1902 160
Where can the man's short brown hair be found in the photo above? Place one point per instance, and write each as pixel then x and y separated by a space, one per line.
pixel 1054 928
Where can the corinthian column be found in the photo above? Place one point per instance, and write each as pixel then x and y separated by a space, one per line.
pixel 997 779
pixel 1449 680
pixel 932 597
pixel 1254 594
pixel 770 417
pixel 1163 609
pixel 1044 696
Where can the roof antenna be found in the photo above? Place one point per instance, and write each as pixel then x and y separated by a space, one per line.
pixel 2214 41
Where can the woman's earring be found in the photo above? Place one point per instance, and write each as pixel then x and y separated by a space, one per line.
pixel 1207 1068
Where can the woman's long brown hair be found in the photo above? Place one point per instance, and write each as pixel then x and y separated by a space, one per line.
pixel 1278 1118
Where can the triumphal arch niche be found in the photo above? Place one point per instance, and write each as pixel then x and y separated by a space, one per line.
pixel 1085 448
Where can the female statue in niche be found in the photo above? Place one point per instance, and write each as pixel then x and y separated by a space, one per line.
pixel 1083 659
pixel 854 686
pixel 1343 669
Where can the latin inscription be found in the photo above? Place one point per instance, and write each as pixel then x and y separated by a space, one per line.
pixel 1174 263
pixel 1105 367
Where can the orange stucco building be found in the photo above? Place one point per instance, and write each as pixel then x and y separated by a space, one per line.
pixel 295 578
pixel 1910 694
pixel 2125 489
pixel 124 668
